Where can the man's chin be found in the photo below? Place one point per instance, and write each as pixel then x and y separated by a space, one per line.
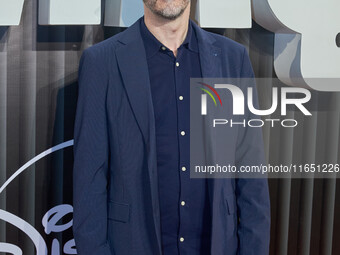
pixel 169 16
pixel 166 10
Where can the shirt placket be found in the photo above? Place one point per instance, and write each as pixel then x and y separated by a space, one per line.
pixel 183 140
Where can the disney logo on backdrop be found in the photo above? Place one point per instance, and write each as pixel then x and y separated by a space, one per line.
pixel 49 220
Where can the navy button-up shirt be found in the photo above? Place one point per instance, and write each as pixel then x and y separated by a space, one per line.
pixel 184 205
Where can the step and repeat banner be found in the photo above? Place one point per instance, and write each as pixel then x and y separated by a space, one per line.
pixel 291 44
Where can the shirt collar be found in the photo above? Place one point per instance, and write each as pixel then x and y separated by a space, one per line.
pixel 152 45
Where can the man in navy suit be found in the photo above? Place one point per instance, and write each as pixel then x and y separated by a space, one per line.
pixel 132 188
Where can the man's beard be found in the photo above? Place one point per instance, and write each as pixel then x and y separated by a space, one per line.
pixel 171 10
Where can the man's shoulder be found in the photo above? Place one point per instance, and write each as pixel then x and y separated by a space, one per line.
pixel 234 54
pixel 105 47
pixel 229 44
pixel 220 40
pixel 233 51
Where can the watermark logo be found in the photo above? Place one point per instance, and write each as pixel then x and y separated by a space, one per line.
pixel 204 97
pixel 239 100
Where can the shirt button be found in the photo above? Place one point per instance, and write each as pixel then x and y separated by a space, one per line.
pixel 182 133
pixel 177 64
pixel 184 168
pixel 183 203
pixel 180 98
pixel 181 239
pixel 163 48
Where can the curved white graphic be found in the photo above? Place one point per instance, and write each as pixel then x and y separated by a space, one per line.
pixel 305 51
pixel 49 220
pixel 35 159
pixel 238 97
pixel 35 236
pixel 10 248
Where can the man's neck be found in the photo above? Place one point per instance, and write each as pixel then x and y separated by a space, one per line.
pixel 170 33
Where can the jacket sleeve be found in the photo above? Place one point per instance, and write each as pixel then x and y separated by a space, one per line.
pixel 252 193
pixel 91 149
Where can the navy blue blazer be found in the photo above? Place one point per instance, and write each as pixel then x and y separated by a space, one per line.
pixel 115 194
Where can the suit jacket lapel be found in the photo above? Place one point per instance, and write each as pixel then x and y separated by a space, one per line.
pixel 211 66
pixel 133 67
pixel 210 55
